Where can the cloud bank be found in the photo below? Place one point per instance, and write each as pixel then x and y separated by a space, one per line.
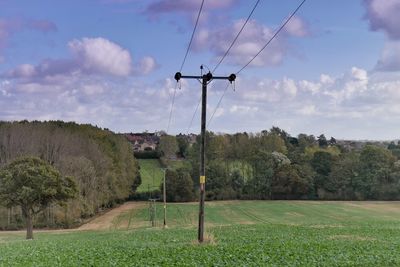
pixel 89 56
pixel 383 15
pixel 356 104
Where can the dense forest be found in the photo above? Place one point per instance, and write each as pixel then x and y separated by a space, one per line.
pixel 274 165
pixel 100 162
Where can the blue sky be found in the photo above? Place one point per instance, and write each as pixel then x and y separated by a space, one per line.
pixel 334 69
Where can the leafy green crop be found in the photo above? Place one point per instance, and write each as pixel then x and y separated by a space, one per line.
pixel 328 234
pixel 241 245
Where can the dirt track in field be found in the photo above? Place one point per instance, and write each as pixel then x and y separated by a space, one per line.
pixel 105 221
pixel 101 222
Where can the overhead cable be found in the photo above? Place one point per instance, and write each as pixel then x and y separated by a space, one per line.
pixel 258 53
pixel 237 36
pixel 183 62
pixel 273 36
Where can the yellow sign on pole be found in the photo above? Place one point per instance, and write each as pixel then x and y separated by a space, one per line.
pixel 202 179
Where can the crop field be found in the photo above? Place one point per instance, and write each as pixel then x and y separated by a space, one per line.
pixel 314 214
pixel 239 233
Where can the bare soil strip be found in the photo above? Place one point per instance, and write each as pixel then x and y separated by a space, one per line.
pixel 102 222
pixel 105 221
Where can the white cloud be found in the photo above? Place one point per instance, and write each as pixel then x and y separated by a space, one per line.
pixel 147 65
pixel 359 74
pixel 251 40
pixel 23 71
pixel 92 89
pixel 309 86
pixel 269 90
pixel 384 15
pixel 102 56
pixel 218 112
pixel 326 79
pixel 240 109
pixel 356 104
pixel 297 27
pixel 289 87
pixel 353 84
pixel 93 57
pixel 308 110
pixel 390 57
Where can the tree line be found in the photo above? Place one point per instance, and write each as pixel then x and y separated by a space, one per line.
pixel 274 165
pixel 100 163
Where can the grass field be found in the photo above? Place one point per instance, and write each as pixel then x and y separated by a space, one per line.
pixel 295 213
pixel 151 174
pixel 239 233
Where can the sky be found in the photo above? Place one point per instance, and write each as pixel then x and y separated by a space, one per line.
pixel 334 69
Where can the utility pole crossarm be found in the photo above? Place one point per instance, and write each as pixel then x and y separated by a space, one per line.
pixel 205 79
pixel 208 77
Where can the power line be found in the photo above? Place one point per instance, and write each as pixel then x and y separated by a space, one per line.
pixel 237 36
pixel 172 106
pixel 183 62
pixel 258 53
pixel 191 38
pixel 198 103
pixel 273 37
pixel 194 114
pixel 219 103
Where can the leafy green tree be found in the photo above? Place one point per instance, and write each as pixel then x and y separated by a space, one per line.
pixel 138 180
pixel 263 164
pixel 395 149
pixel 168 146
pixel 322 163
pixel 171 183
pixel 237 182
pixel 184 190
pixel 33 184
pixel 183 145
pixel 273 142
pixel 218 184
pixel 288 184
pixel 341 179
pixel 179 185
pixel 374 171
pixel 322 142
pixel 216 146
pixel 305 141
pixel 332 141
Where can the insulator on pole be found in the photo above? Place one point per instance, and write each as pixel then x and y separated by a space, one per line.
pixel 178 76
pixel 232 78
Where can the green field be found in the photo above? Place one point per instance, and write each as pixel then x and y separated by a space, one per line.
pixel 151 174
pixel 294 213
pixel 239 233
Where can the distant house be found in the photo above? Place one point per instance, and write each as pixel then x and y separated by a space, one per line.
pixel 148 146
pixel 144 141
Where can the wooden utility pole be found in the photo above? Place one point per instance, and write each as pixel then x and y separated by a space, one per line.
pixel 205 80
pixel 153 211
pixel 165 201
